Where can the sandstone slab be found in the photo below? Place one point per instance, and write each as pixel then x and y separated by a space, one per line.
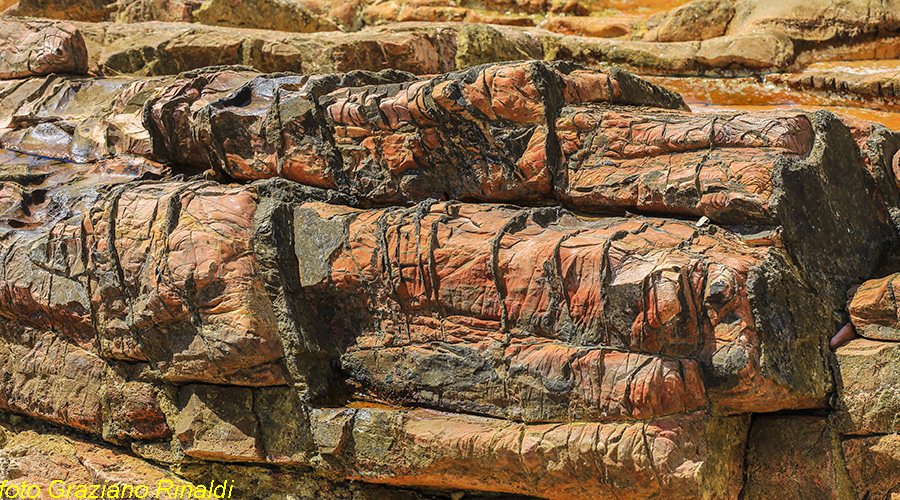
pixel 874 464
pixel 663 457
pixel 168 48
pixel 794 457
pixel 217 423
pixel 32 48
pixel 869 380
pixel 697 20
pixel 39 458
pixel 873 309
pixel 493 294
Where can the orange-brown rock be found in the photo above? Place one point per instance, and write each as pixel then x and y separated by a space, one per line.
pixel 499 299
pixel 482 134
pixel 40 458
pixel 217 423
pixel 794 457
pixel 665 457
pixel 71 10
pixel 31 48
pixel 874 309
pixel 54 379
pixel 720 166
pixel 835 21
pixel 156 48
pixel 174 282
pixel 602 27
pixel 436 11
pixel 159 273
pixel 696 20
pixel 873 464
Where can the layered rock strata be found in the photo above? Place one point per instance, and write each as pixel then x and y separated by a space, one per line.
pixel 344 292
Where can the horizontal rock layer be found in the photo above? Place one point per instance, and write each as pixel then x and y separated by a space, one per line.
pixel 185 316
pixel 353 321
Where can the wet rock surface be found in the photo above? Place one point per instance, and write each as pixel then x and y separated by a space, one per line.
pixel 348 250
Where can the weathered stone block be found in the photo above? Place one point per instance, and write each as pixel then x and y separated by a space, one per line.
pixel 218 423
pixel 37 47
pixel 869 378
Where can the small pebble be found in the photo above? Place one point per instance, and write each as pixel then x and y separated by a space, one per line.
pixel 844 335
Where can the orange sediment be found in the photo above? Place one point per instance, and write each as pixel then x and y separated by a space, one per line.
pixel 753 94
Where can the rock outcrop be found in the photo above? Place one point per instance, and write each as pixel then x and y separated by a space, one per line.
pixel 36 48
pixel 379 261
pixel 343 290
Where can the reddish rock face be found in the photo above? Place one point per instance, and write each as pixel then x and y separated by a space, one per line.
pixel 505 298
pixel 32 48
pixel 872 463
pixel 174 263
pixel 873 309
pixel 170 261
pixel 715 165
pixel 869 374
pixel 303 309
pixel 643 460
pixel 483 134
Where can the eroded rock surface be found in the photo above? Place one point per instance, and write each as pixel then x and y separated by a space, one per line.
pixel 438 284
pixel 36 47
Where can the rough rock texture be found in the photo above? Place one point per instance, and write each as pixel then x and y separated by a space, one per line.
pixel 873 463
pixel 795 457
pixel 40 457
pixel 282 15
pixel 156 48
pixel 513 305
pixel 829 20
pixel 359 284
pixel 850 79
pixel 35 48
pixel 874 309
pixel 868 399
pixel 603 27
pixel 72 10
pixel 697 20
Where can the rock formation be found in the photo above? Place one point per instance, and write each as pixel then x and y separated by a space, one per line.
pixel 398 273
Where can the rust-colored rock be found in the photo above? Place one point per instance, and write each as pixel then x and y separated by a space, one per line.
pixel 72 10
pixel 455 288
pixel 32 48
pixel 309 278
pixel 874 309
pixel 794 457
pixel 437 11
pixel 481 134
pixel 40 458
pixel 217 423
pixel 602 27
pixel 719 166
pixel 873 464
pixel 666 457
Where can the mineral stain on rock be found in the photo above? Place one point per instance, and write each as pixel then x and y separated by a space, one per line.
pixel 431 249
